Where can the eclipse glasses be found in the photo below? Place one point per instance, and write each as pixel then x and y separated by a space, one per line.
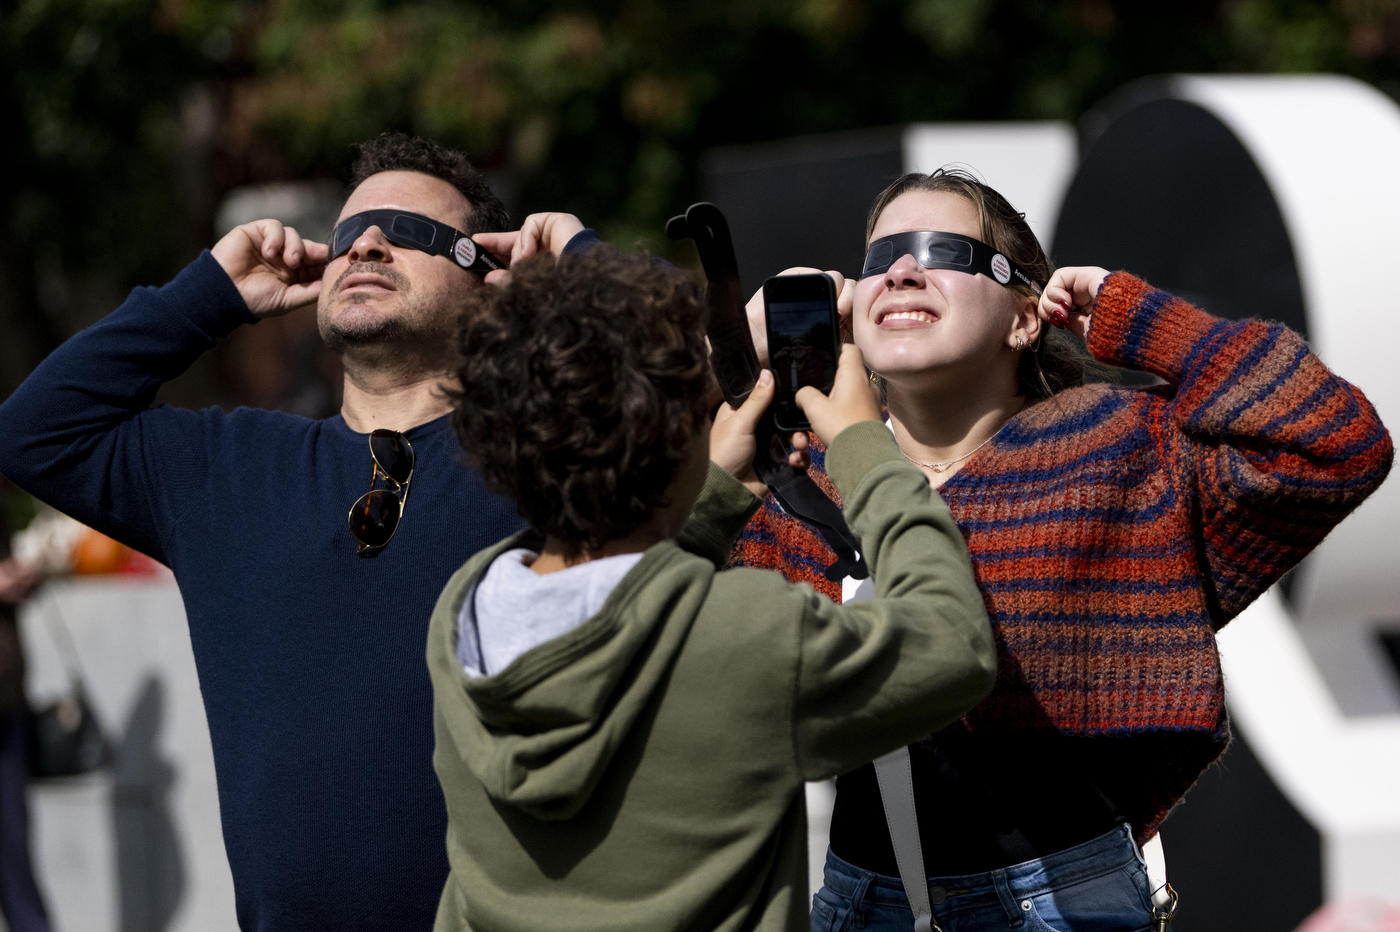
pixel 414 231
pixel 934 250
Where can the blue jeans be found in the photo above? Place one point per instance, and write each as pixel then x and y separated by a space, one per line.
pixel 1099 886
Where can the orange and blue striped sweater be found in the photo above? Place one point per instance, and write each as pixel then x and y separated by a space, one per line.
pixel 1113 531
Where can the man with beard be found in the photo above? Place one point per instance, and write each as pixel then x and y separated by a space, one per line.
pixel 308 632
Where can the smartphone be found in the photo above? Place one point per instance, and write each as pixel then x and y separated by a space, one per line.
pixel 803 340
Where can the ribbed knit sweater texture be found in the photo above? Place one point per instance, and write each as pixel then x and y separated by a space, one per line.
pixel 1113 531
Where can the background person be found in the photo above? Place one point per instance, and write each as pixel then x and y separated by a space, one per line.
pixel 1112 531
pixel 623 732
pixel 310 657
pixel 20 900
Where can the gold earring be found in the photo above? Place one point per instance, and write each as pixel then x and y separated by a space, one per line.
pixel 1020 343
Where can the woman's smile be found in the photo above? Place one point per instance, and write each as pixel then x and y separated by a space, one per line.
pixel 904 318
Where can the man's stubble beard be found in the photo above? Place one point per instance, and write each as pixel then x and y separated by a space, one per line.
pixel 415 340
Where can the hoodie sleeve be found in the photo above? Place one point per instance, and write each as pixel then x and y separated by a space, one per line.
pixel 876 675
pixel 721 512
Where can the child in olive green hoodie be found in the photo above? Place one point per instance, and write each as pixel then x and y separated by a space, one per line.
pixel 623 731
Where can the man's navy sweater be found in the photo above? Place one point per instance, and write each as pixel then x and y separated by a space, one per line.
pixel 310 658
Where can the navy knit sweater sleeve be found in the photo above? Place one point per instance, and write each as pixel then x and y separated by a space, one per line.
pixel 310 658
pixel 77 434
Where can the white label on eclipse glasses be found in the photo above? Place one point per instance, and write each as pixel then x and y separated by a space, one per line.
pixel 1001 268
pixel 465 252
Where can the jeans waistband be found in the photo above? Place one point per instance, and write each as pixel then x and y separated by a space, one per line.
pixel 1110 851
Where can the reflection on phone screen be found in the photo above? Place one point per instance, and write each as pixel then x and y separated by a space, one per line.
pixel 800 341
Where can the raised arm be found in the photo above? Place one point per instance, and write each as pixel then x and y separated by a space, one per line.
pixel 732 492
pixel 876 675
pixel 78 433
pixel 1274 447
pixel 880 674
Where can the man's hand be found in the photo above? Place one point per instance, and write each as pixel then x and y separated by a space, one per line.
pixel 18 580
pixel 548 232
pixel 1069 297
pixel 758 325
pixel 273 268
pixel 852 399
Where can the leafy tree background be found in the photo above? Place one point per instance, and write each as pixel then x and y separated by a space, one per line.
pixel 131 119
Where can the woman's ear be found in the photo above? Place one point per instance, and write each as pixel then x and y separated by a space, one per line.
pixel 1027 323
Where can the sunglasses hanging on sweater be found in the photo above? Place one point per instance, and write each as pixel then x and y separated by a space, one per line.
pixel 375 515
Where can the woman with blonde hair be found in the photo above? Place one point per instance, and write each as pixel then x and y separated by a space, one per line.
pixel 1112 531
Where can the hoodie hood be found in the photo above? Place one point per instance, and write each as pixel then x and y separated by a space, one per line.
pixel 540 733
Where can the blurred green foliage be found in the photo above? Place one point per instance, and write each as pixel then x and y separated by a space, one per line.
pixel 133 117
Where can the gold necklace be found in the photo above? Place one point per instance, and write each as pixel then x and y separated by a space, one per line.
pixel 943 467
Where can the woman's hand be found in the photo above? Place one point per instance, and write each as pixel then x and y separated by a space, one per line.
pixel 845 305
pixel 758 324
pixel 1068 300
pixel 546 232
pixel 273 268
pixel 852 399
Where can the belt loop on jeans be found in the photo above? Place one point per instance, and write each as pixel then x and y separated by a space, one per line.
pixel 858 899
pixel 1014 914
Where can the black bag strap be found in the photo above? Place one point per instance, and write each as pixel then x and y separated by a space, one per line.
pixel 735 362
pixel 63 640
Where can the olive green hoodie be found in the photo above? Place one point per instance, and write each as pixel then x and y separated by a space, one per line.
pixel 644 771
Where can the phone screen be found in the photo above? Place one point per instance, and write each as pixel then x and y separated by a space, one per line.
pixel 801 340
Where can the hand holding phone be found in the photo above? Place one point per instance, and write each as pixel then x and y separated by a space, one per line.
pixel 757 317
pixel 803 340
pixel 732 442
pixel 852 399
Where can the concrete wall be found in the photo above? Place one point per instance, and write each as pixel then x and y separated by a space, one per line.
pixel 136 847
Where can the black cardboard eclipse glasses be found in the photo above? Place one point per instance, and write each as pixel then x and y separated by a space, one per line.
pixel 414 231
pixel 934 250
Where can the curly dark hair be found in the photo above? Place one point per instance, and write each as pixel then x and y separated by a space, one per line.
pixel 582 384
pixel 400 152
